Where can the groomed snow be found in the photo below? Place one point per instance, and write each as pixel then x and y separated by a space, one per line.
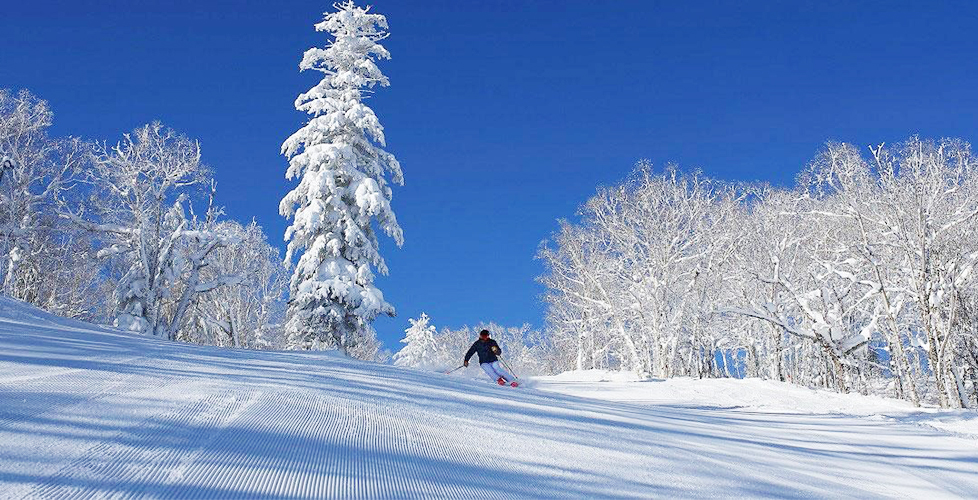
pixel 86 411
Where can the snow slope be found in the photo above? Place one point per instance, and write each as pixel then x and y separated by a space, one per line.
pixel 89 412
pixel 754 395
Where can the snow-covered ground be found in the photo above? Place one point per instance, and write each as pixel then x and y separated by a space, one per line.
pixel 89 412
pixel 754 395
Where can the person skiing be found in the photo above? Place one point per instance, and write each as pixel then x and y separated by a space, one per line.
pixel 488 351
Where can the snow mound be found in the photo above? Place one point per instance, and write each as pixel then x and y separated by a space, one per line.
pixel 93 412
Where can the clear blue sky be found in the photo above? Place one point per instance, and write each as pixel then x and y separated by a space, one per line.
pixel 506 115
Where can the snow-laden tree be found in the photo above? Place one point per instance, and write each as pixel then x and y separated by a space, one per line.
pixel 675 233
pixel 29 172
pixel 110 233
pixel 139 212
pixel 860 278
pixel 813 290
pixel 420 349
pixel 912 210
pixel 248 312
pixel 343 193
pixel 636 285
pixel 850 195
pixel 44 261
pixel 776 238
pixel 929 209
pixel 579 310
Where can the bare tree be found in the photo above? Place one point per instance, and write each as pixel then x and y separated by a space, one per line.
pixel 242 292
pixel 141 187
pixel 860 275
pixel 44 262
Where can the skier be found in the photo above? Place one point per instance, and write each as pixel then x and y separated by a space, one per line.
pixel 488 349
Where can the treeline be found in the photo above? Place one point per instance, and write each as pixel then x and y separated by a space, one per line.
pixel 128 233
pixel 858 278
pixel 525 350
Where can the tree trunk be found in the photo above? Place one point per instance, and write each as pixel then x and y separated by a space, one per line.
pixel 958 374
pixel 937 369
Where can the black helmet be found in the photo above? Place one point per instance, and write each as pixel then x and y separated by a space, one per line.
pixel 484 333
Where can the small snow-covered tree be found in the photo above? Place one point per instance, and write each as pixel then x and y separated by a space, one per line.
pixel 343 190
pixel 419 348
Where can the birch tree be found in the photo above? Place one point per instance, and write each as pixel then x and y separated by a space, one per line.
pixel 43 261
pixel 242 289
pixel 860 274
pixel 141 190
pixel 841 175
pixel 930 201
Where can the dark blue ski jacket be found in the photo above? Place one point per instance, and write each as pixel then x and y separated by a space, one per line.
pixel 484 348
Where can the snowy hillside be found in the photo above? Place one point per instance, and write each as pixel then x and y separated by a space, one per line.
pixel 89 412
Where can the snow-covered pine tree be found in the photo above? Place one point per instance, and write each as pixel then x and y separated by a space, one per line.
pixel 343 190
pixel 419 348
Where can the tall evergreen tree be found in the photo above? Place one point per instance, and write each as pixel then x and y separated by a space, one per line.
pixel 344 189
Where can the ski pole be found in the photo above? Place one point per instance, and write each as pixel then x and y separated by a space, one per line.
pixel 505 364
pixel 453 369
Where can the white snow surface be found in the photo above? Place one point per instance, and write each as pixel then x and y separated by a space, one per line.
pixel 92 412
pixel 754 395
